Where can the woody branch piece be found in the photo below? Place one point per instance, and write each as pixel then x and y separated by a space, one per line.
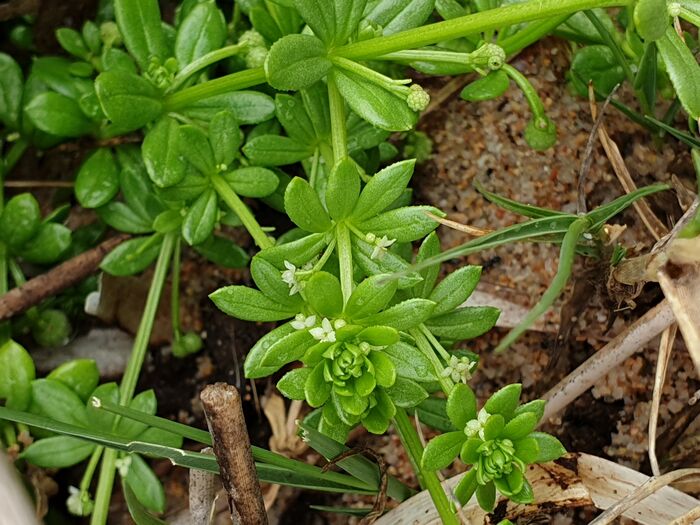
pixel 56 280
pixel 224 413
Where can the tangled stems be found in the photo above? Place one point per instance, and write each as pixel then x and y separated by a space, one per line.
pixel 131 374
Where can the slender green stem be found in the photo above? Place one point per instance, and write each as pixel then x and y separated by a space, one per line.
pixel 531 34
pixel 467 25
pixel 567 253
pixel 424 346
pixel 131 374
pixel 91 467
pixel 175 290
pixel 219 86
pixel 434 341
pixel 533 99
pixel 345 260
pixel 428 479
pixel 339 133
pixel 207 60
pixel 234 202
pixel 425 55
pixel 316 159
pixel 16 151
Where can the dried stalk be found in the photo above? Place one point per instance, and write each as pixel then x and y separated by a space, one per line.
pixel 652 485
pixel 56 280
pixel 633 339
pixel 202 494
pixel 665 347
pixel 688 518
pixel 224 414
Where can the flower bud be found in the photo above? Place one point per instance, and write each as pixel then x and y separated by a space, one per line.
pixel 417 99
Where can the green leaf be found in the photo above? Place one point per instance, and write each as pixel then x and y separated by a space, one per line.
pixel 203 30
pixel 48 245
pixel 132 256
pixel 276 150
pixel 600 215
pixel 343 188
pixel 252 366
pixel 550 448
pixel 461 405
pixel 489 87
pixel 294 118
pixel 466 487
pixel 98 418
pixel 57 452
pixel 143 402
pixel 80 375
pixel 520 426
pixel 20 220
pixel 650 20
pixel 58 115
pixel 269 280
pixel 137 510
pixel 596 64
pixel 123 218
pixel 248 107
pixel 525 496
pixel 383 189
pixel 193 144
pixel 297 252
pixel 486 496
pixel 292 348
pixel 441 451
pixel 141 28
pixel 406 393
pixel 161 153
pixel 527 449
pixel 536 407
pixel 454 289
pixel 464 323
pixel 394 16
pixel 201 218
pixel 430 247
pixel 504 401
pixel 292 383
pixel 405 224
pixel 225 137
pixel 683 70
pixel 145 484
pixel 494 426
pixel 379 336
pixel 528 210
pixel 250 305
pixel 324 295
pixel 97 181
pixel 304 207
pixel 72 41
pixel 296 62
pixel 223 252
pixel 252 181
pixel 384 369
pixel 410 363
pixel 11 87
pixel 128 100
pixel 402 316
pixel 332 21
pixel 370 296
pixel 316 389
pixel 386 264
pixel 16 374
pixel 373 103
pixel 54 399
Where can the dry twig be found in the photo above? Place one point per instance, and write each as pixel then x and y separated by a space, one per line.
pixel 56 280
pixel 224 414
pixel 665 347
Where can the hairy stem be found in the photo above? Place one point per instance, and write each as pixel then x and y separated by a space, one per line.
pixel 428 479
pixel 338 130
pixel 345 259
pixel 467 25
pixel 219 86
pixel 234 202
pixel 131 375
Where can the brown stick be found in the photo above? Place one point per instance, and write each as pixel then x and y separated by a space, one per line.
pixel 56 280
pixel 224 413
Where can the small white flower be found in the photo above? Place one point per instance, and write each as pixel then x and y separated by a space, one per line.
pixel 339 323
pixel 476 426
pixel 123 465
pixel 459 369
pixel 301 322
pixel 289 276
pixel 78 502
pixel 380 245
pixel 323 333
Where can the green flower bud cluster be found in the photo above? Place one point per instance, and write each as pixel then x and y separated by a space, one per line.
pixel 160 74
pixel 498 442
pixel 256 49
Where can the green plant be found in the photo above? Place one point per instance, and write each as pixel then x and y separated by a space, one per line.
pixel 367 331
